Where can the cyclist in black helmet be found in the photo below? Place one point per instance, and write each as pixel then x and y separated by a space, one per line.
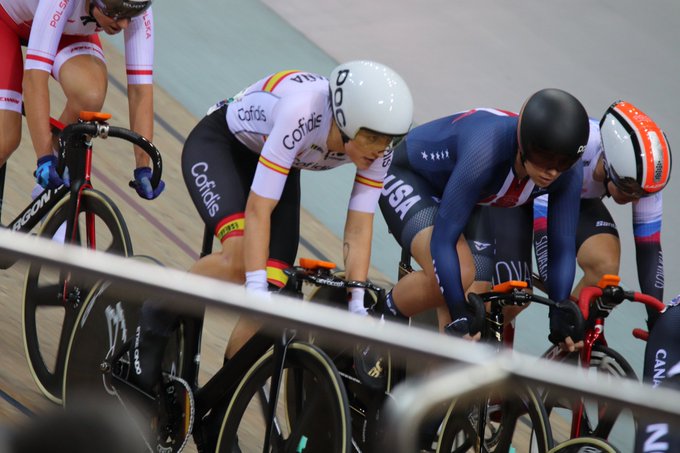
pixel 445 169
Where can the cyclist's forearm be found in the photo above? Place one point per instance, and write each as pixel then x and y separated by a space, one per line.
pixel 356 251
pixel 649 260
pixel 140 103
pixel 37 105
pixel 257 232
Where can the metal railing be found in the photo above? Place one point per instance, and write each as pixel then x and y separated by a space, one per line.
pixel 477 368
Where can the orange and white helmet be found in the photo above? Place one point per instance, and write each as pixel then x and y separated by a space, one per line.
pixel 636 152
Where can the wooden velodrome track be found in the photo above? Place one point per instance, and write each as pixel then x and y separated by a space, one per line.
pixel 168 229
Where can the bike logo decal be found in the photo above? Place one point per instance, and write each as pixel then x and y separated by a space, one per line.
pixel 481 245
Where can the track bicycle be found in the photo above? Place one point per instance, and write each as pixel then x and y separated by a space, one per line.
pixel 597 418
pixel 365 402
pixel 241 404
pixel 91 220
pixel 501 422
pixel 457 432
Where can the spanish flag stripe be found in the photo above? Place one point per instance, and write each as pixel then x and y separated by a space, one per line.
pixel 272 166
pixel 274 80
pixel 277 264
pixel 238 215
pixel 368 182
pixel 276 277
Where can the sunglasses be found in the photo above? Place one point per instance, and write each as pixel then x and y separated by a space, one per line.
pixel 630 187
pixel 548 161
pixel 117 13
pixel 367 137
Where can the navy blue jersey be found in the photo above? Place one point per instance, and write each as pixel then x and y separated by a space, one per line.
pixel 468 158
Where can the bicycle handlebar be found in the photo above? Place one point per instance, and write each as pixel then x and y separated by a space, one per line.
pixel 520 298
pixel 104 130
pixel 322 277
pixel 614 295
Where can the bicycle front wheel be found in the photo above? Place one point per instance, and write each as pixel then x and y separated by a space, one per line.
pixel 52 298
pixel 598 418
pixel 319 421
pixel 518 420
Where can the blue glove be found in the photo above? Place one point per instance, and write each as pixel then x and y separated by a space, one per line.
pixel 142 184
pixel 46 173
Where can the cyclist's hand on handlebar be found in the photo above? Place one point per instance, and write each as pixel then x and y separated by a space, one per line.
pixel 461 328
pixel 142 184
pixel 46 173
pixel 566 326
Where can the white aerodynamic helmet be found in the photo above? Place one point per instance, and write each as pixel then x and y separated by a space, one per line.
pixel 636 152
pixel 366 94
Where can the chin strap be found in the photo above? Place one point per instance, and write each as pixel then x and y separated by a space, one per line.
pixel 90 18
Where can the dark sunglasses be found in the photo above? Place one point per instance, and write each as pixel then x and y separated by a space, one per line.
pixel 548 161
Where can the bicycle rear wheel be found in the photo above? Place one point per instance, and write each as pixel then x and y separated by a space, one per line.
pixel 103 326
pixel 52 298
pixel 598 419
pixel 318 422
pixel 518 420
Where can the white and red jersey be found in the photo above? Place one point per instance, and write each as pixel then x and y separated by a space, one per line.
pixel 286 118
pixel 43 22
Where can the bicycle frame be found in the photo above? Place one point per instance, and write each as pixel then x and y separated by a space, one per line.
pixel 608 289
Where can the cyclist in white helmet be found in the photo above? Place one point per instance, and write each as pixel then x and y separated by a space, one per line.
pixel 628 158
pixel 242 163
pixel 62 40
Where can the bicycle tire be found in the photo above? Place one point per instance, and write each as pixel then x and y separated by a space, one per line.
pixel 522 418
pixel 44 285
pixel 585 444
pixel 104 324
pixel 599 422
pixel 319 423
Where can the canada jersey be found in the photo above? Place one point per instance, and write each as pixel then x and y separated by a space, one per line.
pixel 43 22
pixel 286 118
pixel 469 159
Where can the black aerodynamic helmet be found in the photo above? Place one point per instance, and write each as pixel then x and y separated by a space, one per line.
pixel 553 122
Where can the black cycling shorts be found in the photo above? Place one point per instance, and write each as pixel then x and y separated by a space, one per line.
pixel 218 171
pixel 594 218
pixel 512 229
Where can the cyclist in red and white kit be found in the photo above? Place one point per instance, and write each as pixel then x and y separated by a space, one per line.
pixel 242 163
pixel 628 158
pixel 61 38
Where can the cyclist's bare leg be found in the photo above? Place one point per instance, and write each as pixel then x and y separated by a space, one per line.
pixel 10 133
pixel 598 255
pixel 228 265
pixel 419 291
pixel 83 79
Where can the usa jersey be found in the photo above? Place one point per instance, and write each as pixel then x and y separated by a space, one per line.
pixel 469 158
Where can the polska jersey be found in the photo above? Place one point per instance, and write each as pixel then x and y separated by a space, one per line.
pixel 469 159
pixel 43 22
pixel 286 119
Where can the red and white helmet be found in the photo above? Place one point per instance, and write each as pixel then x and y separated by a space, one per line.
pixel 636 152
